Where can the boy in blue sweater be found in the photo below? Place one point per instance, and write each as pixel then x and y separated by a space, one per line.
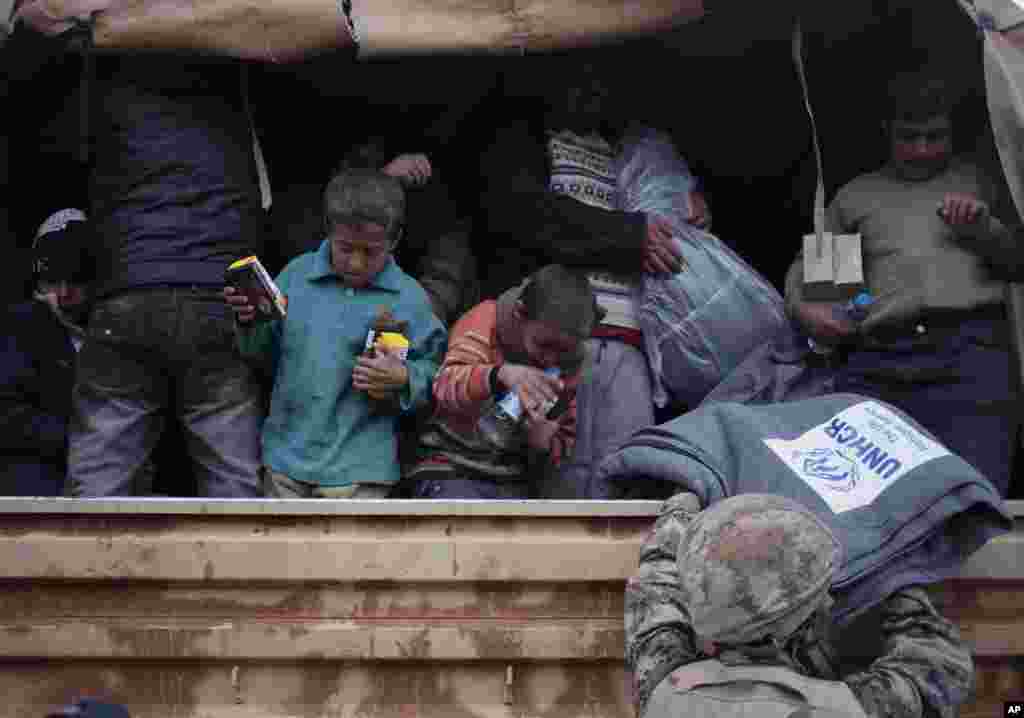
pixel 331 429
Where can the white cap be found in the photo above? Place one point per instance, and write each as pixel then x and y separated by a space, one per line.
pixel 57 221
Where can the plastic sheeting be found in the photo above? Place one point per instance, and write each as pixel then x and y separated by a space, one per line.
pixel 700 324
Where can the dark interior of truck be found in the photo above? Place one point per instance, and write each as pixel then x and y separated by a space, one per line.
pixel 725 87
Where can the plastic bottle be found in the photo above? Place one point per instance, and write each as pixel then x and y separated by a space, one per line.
pixel 854 310
pixel 388 332
pixel 500 424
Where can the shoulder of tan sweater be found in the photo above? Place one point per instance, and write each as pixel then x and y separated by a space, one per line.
pixel 865 182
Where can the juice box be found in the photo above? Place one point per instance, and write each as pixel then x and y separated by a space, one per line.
pixel 248 276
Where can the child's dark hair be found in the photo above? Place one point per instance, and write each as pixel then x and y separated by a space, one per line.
pixel 365 195
pixel 919 96
pixel 561 297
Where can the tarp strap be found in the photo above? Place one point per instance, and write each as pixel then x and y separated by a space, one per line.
pixel 7 8
pixel 346 10
pixel 819 192
pixel 266 197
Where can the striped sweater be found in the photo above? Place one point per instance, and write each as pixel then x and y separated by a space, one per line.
pixel 451 442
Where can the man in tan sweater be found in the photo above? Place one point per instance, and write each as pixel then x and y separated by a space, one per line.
pixel 935 342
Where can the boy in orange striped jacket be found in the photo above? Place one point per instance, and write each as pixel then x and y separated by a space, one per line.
pixel 504 346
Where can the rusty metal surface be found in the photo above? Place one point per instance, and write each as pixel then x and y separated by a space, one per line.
pixel 420 609
pixel 331 507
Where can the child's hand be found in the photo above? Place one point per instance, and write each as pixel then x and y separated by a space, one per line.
pixel 244 311
pixel 410 169
pixel 380 375
pixel 539 430
pixel 239 303
pixel 531 384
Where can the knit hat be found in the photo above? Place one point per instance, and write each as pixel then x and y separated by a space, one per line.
pixel 60 251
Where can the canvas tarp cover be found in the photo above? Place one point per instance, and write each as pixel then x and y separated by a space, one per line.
pixel 285 30
pixel 1003 24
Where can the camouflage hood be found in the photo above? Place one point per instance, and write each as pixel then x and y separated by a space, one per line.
pixel 754 566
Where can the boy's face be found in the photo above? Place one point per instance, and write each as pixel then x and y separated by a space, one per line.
pixel 72 298
pixel 547 346
pixel 921 150
pixel 359 251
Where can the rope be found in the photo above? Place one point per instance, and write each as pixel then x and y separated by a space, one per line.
pixel 819 192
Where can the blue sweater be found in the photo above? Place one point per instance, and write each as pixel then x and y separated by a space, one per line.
pixel 320 429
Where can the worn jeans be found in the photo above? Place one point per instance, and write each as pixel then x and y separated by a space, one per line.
pixel 148 350
pixel 470 488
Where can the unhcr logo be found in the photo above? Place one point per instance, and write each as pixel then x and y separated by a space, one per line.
pixel 870 455
pixel 839 472
pixel 855 455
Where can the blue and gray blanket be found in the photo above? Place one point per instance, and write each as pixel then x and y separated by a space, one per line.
pixel 907 510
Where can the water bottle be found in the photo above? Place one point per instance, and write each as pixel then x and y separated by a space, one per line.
pixel 854 310
pixel 500 424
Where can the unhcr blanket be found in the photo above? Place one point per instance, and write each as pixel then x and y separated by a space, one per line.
pixel 907 510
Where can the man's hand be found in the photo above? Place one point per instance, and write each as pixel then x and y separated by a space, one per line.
pixel 380 376
pixel 539 430
pixel 700 214
pixel 532 385
pixel 239 303
pixel 964 213
pixel 410 169
pixel 660 253
pixel 820 321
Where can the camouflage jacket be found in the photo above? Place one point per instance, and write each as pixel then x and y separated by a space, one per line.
pixel 925 668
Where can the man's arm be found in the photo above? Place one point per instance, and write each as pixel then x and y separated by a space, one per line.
pixel 925 669
pixel 659 638
pixel 518 205
pixel 979 232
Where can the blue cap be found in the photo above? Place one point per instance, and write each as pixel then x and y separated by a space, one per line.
pixel 89 708
pixel 864 299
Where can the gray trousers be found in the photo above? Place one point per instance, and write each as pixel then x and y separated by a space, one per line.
pixel 149 350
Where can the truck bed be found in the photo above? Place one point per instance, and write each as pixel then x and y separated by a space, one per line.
pixel 195 608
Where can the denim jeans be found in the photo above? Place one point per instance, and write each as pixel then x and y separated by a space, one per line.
pixel 467 488
pixel 148 350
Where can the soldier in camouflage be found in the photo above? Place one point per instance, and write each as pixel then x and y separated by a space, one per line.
pixel 743 587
